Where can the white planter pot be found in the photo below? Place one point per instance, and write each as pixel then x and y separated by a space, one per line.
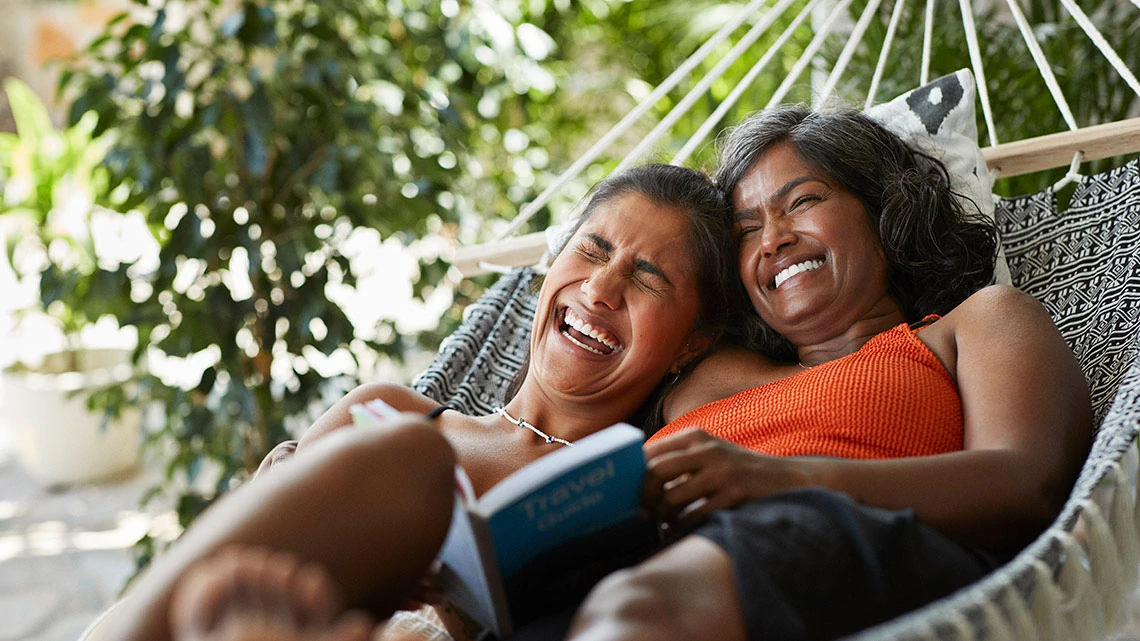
pixel 58 441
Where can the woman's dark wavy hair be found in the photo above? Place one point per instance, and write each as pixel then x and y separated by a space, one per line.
pixel 939 251
pixel 711 243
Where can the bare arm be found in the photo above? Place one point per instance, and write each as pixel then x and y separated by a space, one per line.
pixel 1027 428
pixel 1028 422
pixel 337 417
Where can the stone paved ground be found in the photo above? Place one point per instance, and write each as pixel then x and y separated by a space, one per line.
pixel 64 555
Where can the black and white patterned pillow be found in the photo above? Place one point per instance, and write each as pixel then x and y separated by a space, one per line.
pixel 477 362
pixel 938 119
pixel 1083 264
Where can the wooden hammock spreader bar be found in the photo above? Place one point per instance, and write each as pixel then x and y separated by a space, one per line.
pixel 1056 150
pixel 1008 159
pixel 520 251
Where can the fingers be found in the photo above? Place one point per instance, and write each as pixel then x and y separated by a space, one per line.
pixel 680 441
pixel 279 453
pixel 697 473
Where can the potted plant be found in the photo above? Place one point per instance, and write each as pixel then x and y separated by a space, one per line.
pixel 64 406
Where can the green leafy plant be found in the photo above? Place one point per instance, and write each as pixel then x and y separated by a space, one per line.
pixel 53 181
pixel 264 140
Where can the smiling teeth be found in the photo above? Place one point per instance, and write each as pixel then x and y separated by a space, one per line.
pixel 583 345
pixel 788 272
pixel 582 326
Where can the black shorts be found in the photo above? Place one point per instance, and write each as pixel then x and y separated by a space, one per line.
pixel 814 564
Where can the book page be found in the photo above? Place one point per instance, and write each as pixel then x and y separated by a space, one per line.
pixel 463 575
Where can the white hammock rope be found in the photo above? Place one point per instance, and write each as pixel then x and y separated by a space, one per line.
pixel 1073 175
pixel 1094 34
pixel 1026 156
pixel 997 628
pixel 927 37
pixel 888 40
pixel 1076 583
pixel 1042 63
pixel 1019 617
pixel 1045 603
pixel 979 71
pixel 809 53
pixel 717 115
pixel 1103 559
pixel 1123 516
pixel 630 119
pixel 789 80
pixel 853 42
pixel 961 625
pixel 699 90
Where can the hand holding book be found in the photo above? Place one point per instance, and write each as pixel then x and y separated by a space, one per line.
pixel 546 531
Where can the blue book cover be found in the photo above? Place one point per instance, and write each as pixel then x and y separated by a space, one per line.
pixel 564 495
pixel 549 529
pixel 541 529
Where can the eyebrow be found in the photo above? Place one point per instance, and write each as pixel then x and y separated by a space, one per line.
pixel 639 264
pixel 602 243
pixel 745 214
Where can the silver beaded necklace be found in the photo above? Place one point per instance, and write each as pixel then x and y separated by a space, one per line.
pixel 521 422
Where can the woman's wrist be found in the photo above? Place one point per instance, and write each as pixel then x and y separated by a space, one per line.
pixel 805 472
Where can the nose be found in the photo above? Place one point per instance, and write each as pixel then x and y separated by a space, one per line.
pixel 603 287
pixel 776 235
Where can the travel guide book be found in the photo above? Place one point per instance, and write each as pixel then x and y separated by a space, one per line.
pixel 543 535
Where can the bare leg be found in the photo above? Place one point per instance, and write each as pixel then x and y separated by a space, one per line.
pixel 685 592
pixel 369 506
pixel 252 594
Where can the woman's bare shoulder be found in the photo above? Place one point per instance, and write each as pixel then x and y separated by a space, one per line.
pixel 725 372
pixel 998 313
pixel 998 308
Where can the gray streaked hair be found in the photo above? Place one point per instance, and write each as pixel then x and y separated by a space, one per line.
pixel 938 251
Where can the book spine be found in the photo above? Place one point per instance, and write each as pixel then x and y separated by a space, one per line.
pixel 495 583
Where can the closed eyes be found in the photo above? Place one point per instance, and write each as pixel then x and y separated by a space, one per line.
pixel 646 276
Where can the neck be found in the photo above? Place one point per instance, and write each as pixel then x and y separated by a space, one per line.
pixel 564 418
pixel 878 320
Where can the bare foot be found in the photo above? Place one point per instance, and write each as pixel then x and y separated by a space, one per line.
pixel 251 594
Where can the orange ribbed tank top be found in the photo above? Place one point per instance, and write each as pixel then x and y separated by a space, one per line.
pixel 891 398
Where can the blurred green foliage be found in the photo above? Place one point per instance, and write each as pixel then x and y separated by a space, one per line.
pixel 258 135
pixel 52 181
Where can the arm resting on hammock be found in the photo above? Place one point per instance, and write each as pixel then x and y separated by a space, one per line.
pixel 1027 428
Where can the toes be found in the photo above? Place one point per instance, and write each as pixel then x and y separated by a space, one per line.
pixel 316 596
pixel 251 588
pixel 201 597
pixel 276 594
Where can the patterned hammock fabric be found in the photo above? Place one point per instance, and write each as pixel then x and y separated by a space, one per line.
pixel 1084 266
pixel 477 362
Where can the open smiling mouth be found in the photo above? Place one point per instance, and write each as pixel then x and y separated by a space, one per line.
pixel 798 268
pixel 582 334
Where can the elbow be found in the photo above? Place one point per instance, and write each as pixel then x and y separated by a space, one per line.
pixel 1041 503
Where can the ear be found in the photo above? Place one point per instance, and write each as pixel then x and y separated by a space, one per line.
pixel 696 344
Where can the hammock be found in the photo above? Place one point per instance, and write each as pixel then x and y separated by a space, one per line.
pixel 1082 264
